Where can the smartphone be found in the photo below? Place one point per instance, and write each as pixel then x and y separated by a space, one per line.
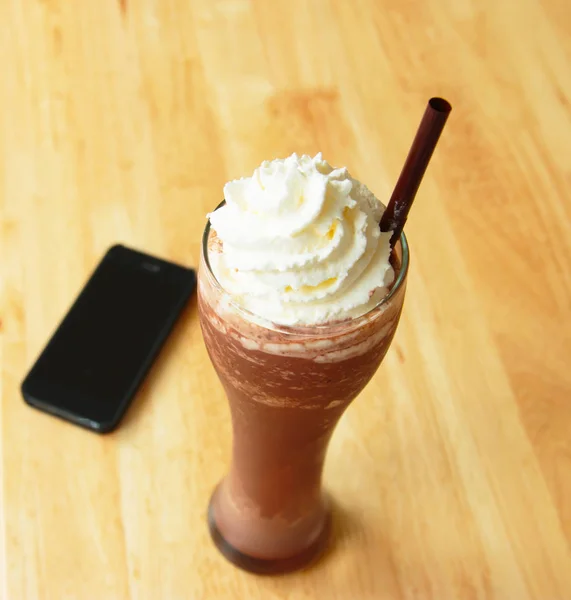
pixel 99 355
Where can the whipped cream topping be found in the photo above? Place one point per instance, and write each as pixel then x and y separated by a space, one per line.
pixel 301 244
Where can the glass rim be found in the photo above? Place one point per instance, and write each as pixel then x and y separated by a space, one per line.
pixel 301 328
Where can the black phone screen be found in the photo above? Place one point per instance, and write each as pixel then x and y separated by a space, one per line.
pixel 100 353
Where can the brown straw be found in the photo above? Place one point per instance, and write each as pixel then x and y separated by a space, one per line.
pixel 419 155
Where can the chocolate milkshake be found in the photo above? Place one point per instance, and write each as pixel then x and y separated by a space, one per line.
pixel 299 299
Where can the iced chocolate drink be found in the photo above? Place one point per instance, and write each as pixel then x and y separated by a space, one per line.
pixel 299 299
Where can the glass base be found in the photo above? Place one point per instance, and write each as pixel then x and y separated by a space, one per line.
pixel 268 566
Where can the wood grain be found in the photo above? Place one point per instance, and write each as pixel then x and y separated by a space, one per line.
pixel 120 121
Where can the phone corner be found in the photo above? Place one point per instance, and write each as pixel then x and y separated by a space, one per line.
pixel 25 392
pixel 114 248
pixel 104 427
pixel 28 399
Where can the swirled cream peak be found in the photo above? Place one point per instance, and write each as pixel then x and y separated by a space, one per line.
pixel 301 243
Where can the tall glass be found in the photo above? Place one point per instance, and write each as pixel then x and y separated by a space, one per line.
pixel 287 388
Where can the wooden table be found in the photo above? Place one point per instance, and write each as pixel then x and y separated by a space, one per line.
pixel 121 121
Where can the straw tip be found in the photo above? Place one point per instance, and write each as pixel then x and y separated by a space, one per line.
pixel 440 105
